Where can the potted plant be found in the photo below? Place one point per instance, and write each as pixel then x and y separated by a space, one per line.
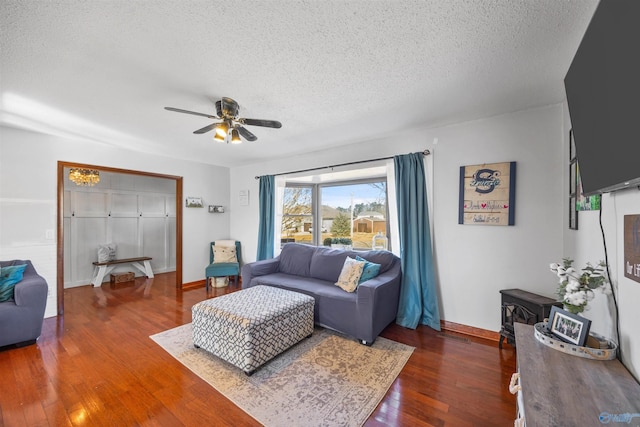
pixel 341 243
pixel 576 289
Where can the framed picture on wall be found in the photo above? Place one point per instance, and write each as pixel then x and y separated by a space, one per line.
pixel 573 183
pixel 573 214
pixel 194 202
pixel 572 146
pixel 573 177
pixel 585 203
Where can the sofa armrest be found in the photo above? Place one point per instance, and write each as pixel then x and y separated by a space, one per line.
pixel 31 291
pixel 258 268
pixel 377 301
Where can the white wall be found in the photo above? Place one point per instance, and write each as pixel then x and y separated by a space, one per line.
pixel 28 173
pixel 587 245
pixel 474 262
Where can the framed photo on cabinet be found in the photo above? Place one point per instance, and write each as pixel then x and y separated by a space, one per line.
pixel 568 327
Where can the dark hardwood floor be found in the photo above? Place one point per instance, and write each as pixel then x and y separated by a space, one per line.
pixel 96 366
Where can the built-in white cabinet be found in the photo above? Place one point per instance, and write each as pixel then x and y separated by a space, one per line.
pixel 140 220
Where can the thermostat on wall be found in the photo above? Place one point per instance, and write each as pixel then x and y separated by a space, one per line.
pixel 216 209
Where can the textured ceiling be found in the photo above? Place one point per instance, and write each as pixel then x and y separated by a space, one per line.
pixel 333 72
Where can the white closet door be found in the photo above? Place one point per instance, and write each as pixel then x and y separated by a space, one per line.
pixel 152 204
pixel 87 234
pixel 124 233
pixel 153 241
pixel 68 259
pixel 85 204
pixel 170 246
pixel 123 204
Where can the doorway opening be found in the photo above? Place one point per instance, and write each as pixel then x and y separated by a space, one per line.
pixel 60 221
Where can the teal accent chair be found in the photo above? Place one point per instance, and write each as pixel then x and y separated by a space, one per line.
pixel 223 269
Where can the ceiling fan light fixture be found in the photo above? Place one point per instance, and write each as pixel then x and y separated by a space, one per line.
pixel 231 128
pixel 235 137
pixel 222 129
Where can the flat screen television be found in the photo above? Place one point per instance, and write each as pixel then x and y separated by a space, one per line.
pixel 603 96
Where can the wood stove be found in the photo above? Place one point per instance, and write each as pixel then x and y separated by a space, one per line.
pixel 523 307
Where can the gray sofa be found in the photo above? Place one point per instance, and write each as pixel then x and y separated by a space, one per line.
pixel 314 270
pixel 21 317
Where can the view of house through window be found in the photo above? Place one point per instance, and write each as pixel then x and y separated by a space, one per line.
pixel 348 213
pixel 297 214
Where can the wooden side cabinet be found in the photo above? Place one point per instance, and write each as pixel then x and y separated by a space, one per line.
pixel 520 306
pixel 560 389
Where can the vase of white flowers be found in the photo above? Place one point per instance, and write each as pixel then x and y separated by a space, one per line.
pixel 576 289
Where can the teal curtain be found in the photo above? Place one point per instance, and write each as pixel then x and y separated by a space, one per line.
pixel 418 294
pixel 267 213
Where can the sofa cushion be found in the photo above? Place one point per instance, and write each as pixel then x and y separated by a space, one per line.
pixel 327 263
pixel 369 271
pixel 9 276
pixel 296 259
pixel 384 258
pixel 350 274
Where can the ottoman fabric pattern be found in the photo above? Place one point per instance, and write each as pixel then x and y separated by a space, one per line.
pixel 249 327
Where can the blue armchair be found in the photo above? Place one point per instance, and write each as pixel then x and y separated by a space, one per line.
pixel 223 269
pixel 21 316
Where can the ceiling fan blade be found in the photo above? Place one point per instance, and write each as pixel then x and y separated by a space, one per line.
pixel 265 123
pixel 219 108
pixel 206 128
pixel 178 110
pixel 246 134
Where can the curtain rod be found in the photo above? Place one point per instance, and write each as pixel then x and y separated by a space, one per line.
pixel 424 153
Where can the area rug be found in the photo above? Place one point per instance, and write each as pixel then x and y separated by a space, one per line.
pixel 325 380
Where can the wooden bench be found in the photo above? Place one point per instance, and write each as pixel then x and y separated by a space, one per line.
pixel 102 269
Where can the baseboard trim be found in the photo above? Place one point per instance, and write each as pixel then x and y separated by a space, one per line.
pixel 202 283
pixel 469 330
pixel 194 285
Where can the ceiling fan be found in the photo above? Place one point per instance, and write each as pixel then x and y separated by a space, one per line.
pixel 230 124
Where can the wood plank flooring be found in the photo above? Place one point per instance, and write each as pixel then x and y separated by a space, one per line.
pixel 96 366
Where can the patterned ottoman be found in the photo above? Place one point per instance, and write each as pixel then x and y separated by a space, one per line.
pixel 249 327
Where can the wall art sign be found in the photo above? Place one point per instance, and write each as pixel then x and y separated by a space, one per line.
pixel 487 194
pixel 632 247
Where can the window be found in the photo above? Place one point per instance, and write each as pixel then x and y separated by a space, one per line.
pixel 349 212
pixel 297 214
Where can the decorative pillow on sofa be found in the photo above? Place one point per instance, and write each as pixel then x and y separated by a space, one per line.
pixel 9 276
pixel 350 274
pixel 370 270
pixel 224 254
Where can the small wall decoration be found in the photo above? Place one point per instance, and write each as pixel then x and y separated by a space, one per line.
pixel 243 197
pixel 632 247
pixel 487 194
pixel 568 327
pixel 194 202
